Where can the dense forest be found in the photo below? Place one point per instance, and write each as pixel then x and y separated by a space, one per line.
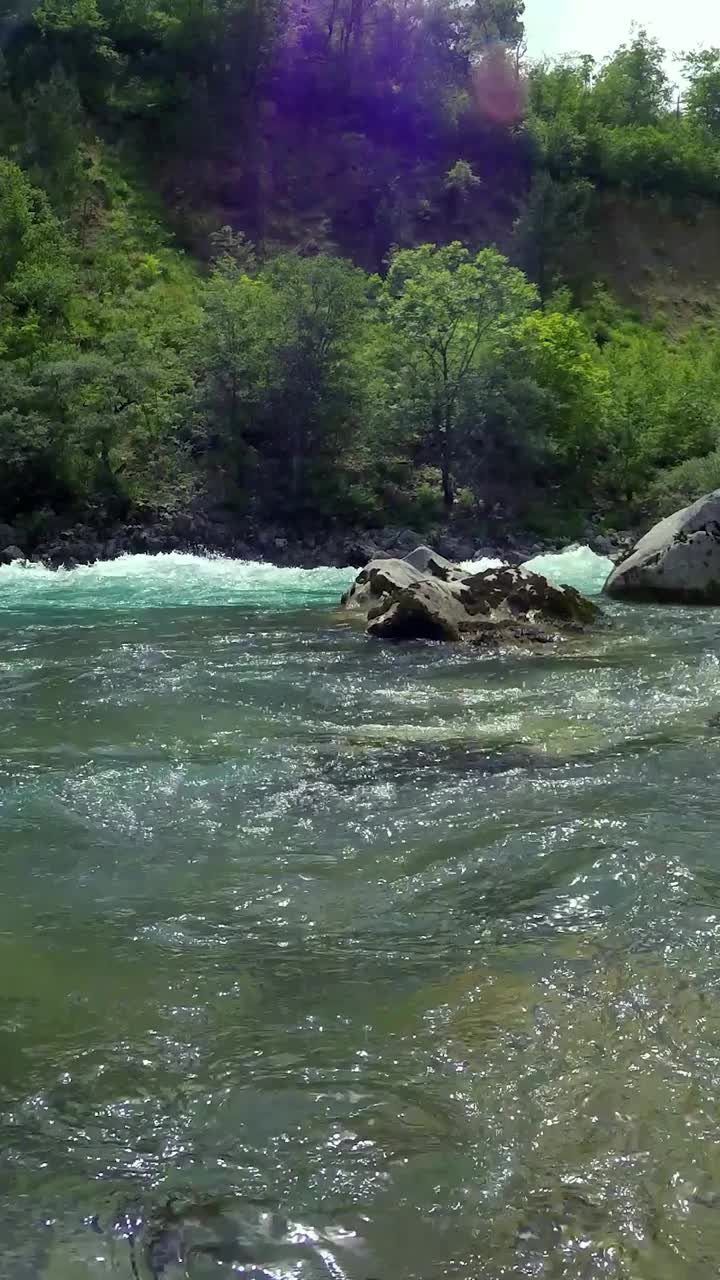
pixel 332 262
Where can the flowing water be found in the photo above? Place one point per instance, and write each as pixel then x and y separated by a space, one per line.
pixel 322 958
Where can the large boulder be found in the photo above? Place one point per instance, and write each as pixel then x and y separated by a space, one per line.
pixel 422 611
pixel 387 575
pixel 677 561
pixel 11 554
pixel 426 597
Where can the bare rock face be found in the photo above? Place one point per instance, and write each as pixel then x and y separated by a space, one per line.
pixel 678 561
pixel 426 597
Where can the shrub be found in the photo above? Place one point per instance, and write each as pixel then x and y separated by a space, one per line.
pixel 679 486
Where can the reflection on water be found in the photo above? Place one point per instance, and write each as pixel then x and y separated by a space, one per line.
pixel 324 959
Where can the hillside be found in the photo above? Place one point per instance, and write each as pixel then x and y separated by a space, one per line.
pixel 659 257
pixel 349 263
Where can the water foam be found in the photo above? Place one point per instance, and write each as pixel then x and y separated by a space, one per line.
pixel 171 580
pixel 182 580
pixel 577 567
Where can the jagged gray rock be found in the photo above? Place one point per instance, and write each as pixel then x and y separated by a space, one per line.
pixel 426 610
pixel 425 560
pixel 677 561
pixel 426 597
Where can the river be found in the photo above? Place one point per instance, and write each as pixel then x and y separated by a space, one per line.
pixel 326 959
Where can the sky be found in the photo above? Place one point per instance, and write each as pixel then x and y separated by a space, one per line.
pixel 599 26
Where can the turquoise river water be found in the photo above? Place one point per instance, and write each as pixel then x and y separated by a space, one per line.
pixel 327 959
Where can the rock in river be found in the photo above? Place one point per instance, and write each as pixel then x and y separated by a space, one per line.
pixel 426 597
pixel 677 561
pixel 11 554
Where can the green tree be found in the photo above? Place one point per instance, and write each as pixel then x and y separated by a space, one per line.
pixel 552 228
pixel 553 349
pixel 53 133
pixel 24 213
pixel 702 97
pixel 534 416
pixel 278 375
pixel 29 474
pixel 120 406
pixel 37 275
pixel 73 35
pixel 492 21
pixel 316 393
pixel 664 405
pixel 632 86
pixel 235 359
pixel 442 305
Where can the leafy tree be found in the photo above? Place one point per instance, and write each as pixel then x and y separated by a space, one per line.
pixel 562 89
pixel 493 21
pixel 664 405
pixel 441 304
pixel 73 35
pixel 121 407
pixel 278 374
pixel 28 471
pixel 68 16
pixel 24 214
pixel 37 276
pixel 534 415
pixel 632 87
pixel 461 180
pixel 93 361
pixel 231 251
pixel 553 350
pixel 702 97
pixel 316 391
pixel 615 126
pixel 53 134
pixel 235 356
pixel 552 227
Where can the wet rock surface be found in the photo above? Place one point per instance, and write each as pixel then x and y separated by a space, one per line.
pixel 678 561
pixel 425 597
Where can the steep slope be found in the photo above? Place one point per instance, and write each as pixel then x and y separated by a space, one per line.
pixel 659 257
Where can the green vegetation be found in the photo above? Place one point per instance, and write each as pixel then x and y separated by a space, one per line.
pixel 446 314
pixel 195 304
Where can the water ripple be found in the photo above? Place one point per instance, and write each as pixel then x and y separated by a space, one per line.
pixel 328 959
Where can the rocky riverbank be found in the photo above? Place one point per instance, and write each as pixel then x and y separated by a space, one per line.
pixel 218 532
